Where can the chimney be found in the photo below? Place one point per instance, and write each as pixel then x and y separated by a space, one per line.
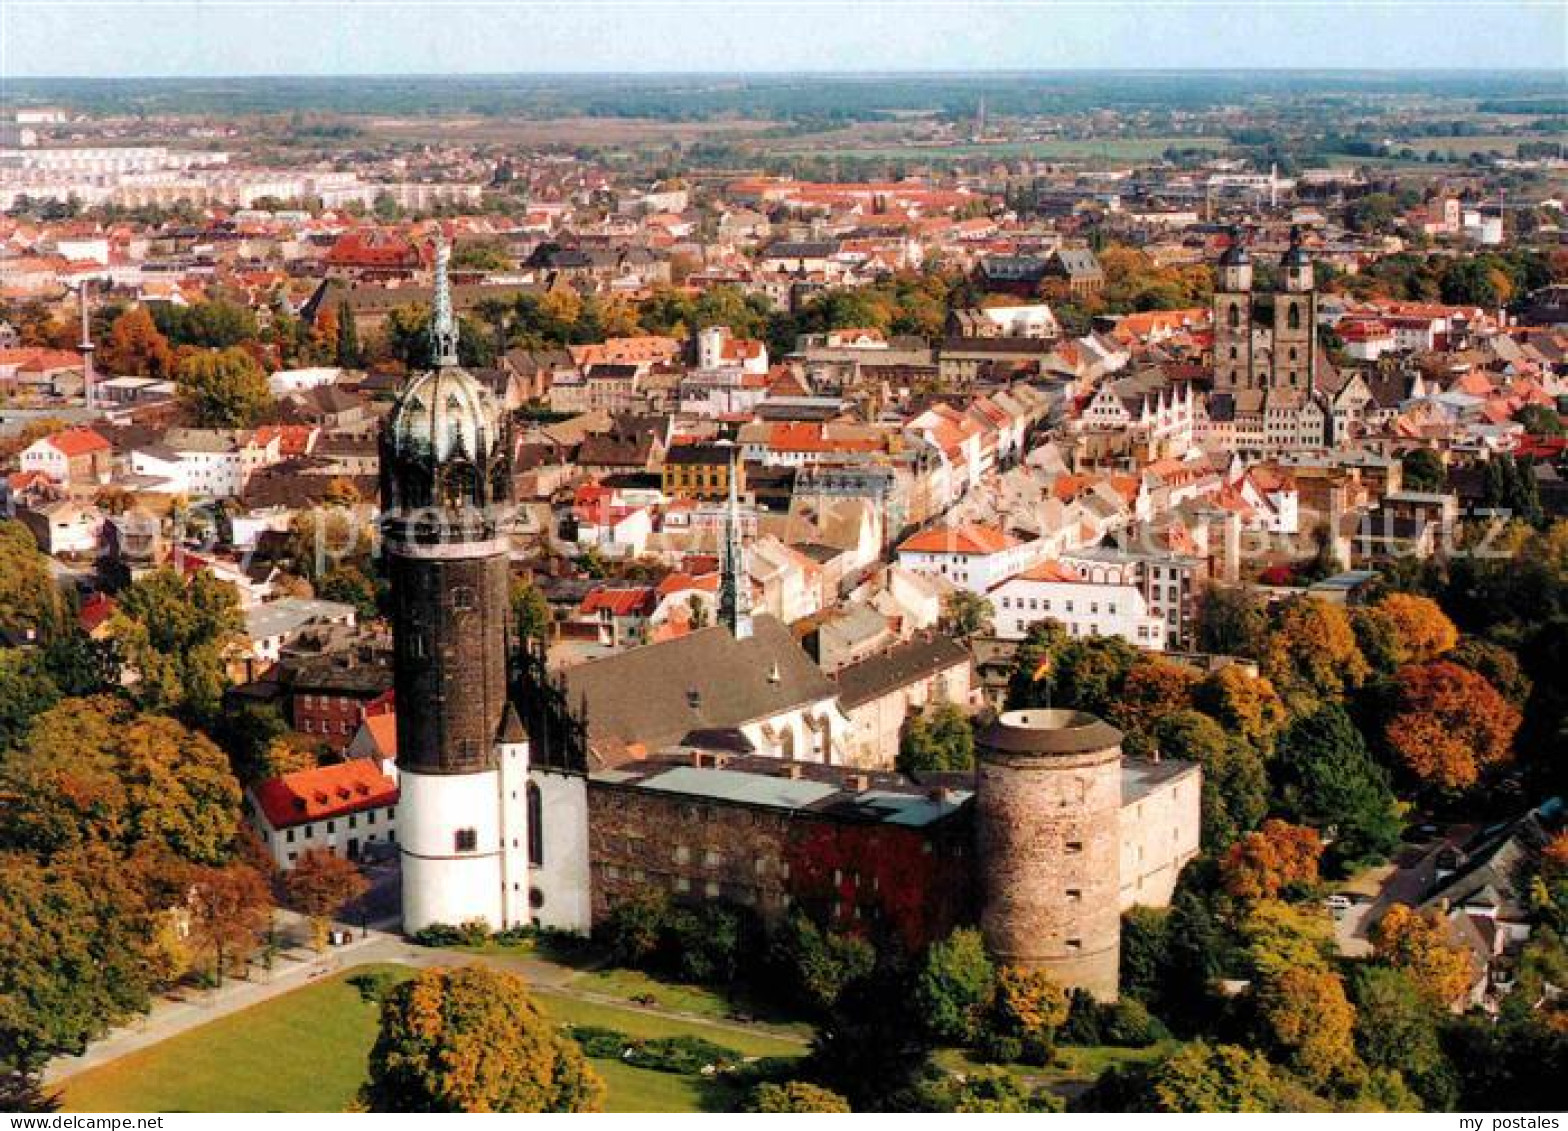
pixel 790 770
pixel 940 795
pixel 857 783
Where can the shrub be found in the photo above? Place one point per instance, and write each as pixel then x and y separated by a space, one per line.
pixel 595 1040
pixel 437 934
pixel 684 1056
pixel 1130 1024
pixel 373 985
pixel 475 932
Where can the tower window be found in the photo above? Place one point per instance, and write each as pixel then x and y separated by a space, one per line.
pixel 465 840
pixel 1293 318
pixel 462 598
pixel 1234 317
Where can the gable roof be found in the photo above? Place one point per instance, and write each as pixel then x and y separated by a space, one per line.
pixel 327 791
pixel 965 538
pixel 705 680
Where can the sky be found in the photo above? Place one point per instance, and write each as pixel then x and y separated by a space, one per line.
pixel 345 37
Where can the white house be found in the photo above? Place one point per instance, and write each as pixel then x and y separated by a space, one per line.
pixel 968 555
pixel 212 462
pixel 1085 608
pixel 273 625
pixel 342 809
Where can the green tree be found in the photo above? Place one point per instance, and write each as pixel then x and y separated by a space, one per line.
pixel 31 604
pixel 531 613
pixel 1231 621
pixel 1397 1029
pixel 937 740
pixel 1325 777
pixel 223 388
pixel 966 614
pixel 172 635
pixel 1207 1079
pixel 954 985
pixel 1029 681
pixel 471 1039
pixel 815 965
pixel 1235 782
pixel 349 353
pixel 1423 470
pixel 73 958
pixel 1091 672
pixel 1027 1008
pixel 26 691
pixel 347 584
pixel 986 1091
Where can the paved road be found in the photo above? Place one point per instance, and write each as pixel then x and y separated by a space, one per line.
pixel 188 1010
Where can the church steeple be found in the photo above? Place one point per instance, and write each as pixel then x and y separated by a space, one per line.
pixel 443 326
pixel 734 580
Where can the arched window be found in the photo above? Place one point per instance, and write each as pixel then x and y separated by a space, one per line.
pixel 1293 317
pixel 535 826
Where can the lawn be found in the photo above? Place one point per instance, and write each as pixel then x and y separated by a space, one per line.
pixel 305 1051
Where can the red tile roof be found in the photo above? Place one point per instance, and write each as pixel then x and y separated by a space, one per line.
pixel 327 791
pixel 78 442
pixel 966 538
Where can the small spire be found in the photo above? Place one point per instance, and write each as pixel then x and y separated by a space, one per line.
pixel 443 326
pixel 734 582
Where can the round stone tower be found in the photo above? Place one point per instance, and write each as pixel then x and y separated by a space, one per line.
pixel 1048 808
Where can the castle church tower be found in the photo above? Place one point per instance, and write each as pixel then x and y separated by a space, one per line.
pixel 1233 319
pixel 446 510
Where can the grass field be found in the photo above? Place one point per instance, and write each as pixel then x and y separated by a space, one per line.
pixel 305 1051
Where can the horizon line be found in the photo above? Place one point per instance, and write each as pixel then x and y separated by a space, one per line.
pixel 979 72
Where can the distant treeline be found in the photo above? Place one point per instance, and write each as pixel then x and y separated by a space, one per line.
pixel 824 98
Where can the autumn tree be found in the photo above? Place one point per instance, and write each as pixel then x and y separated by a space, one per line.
pixel 1278 857
pixel 1449 725
pixel 136 348
pixel 795 1097
pixel 1498 665
pixel 1306 1018
pixel 93 772
pixel 1152 690
pixel 472 1039
pixel 1422 630
pixel 1418 944
pixel 1245 705
pixel 228 907
pixel 1277 936
pixel 319 886
pixel 172 634
pixel 1312 650
pixel 222 388
pixel 1027 1008
pixel 347 584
